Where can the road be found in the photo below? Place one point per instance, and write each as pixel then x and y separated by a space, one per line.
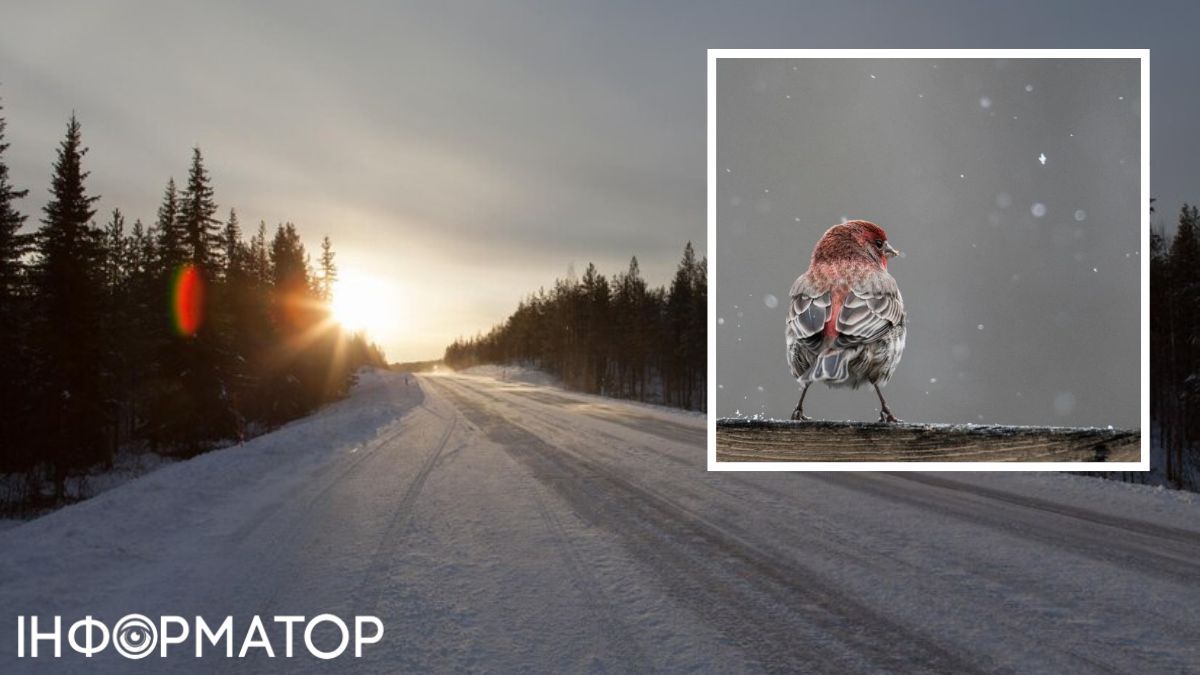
pixel 501 526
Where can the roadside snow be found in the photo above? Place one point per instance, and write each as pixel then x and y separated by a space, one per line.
pixel 124 535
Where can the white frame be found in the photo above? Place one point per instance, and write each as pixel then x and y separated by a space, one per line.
pixel 1142 55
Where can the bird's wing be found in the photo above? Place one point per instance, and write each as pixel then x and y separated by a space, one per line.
pixel 869 310
pixel 809 310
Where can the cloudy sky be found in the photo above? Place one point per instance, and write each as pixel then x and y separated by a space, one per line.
pixel 462 154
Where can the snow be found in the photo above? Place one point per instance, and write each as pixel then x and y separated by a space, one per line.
pixel 1042 158
pixel 498 525
pixel 1038 210
pixel 1064 403
pixel 1080 215
pixel 512 374
pixel 770 301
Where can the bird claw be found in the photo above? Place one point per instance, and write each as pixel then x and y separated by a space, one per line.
pixel 886 417
pixel 799 416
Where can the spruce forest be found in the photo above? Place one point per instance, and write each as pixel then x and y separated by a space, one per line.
pixel 613 337
pixel 1175 349
pixel 179 335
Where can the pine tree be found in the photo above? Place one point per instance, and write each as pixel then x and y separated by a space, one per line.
pixel 14 312
pixel 260 260
pixel 140 248
pixel 328 271
pixel 144 337
pixel 13 244
pixel 171 252
pixel 290 381
pixel 198 224
pixel 116 254
pixel 681 304
pixel 231 245
pixel 70 399
pixel 193 403
pixel 632 327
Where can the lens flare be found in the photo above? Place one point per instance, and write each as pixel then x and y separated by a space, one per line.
pixel 187 300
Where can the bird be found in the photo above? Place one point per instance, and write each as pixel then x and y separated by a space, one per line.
pixel 846 323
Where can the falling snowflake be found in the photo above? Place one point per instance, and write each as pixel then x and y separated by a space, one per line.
pixel 770 301
pixel 1029 87
pixel 720 321
pixel 1038 210
pixel 985 102
pixel 1064 403
pixel 1080 215
pixel 1042 158
pixel 980 327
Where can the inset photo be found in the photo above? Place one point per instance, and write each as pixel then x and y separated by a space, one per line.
pixel 929 260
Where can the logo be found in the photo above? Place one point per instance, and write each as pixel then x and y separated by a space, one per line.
pixel 136 636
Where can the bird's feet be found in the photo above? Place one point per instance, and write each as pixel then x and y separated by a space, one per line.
pixel 886 417
pixel 799 416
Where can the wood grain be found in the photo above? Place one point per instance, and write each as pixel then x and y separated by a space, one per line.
pixel 742 440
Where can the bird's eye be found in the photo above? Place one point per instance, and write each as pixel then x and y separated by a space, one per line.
pixel 879 243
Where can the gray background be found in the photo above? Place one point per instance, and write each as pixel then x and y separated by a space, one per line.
pixel 1013 318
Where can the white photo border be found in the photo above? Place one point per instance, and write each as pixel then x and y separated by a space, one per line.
pixel 1142 55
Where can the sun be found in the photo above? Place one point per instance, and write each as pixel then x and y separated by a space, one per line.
pixel 362 303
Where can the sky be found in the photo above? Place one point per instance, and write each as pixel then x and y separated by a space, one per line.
pixel 1013 188
pixel 460 155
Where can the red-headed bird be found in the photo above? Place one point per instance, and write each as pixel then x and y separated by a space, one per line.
pixel 845 325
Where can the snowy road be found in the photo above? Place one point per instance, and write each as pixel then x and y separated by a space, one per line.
pixel 499 526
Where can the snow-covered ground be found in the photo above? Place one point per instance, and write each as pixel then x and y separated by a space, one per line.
pixel 129 463
pixel 501 525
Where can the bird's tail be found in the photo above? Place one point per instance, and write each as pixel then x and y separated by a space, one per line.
pixel 831 365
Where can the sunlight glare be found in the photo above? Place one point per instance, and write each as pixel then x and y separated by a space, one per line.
pixel 363 303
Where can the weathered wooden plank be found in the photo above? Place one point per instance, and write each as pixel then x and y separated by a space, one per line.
pixel 742 440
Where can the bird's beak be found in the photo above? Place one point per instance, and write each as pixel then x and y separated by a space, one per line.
pixel 889 251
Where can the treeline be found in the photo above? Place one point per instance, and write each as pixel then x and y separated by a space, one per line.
pixel 613 337
pixel 181 333
pixel 1175 347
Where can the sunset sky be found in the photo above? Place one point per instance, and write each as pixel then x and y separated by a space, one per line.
pixel 462 154
pixel 458 161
